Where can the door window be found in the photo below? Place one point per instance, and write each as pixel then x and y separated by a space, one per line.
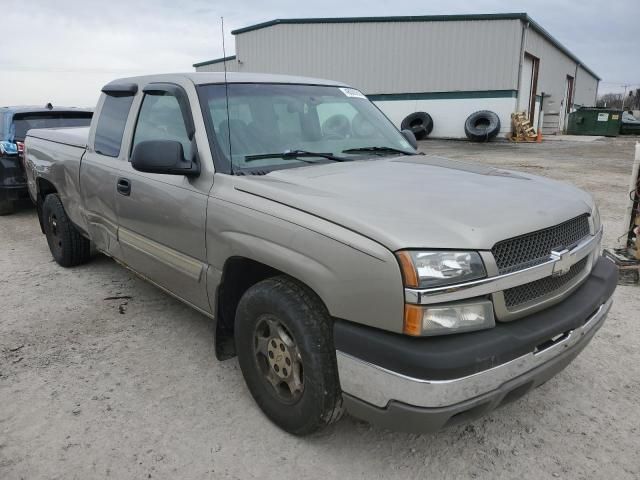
pixel 111 123
pixel 161 119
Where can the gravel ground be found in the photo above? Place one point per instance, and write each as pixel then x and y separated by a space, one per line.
pixel 104 376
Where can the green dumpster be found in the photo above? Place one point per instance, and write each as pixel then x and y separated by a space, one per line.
pixel 595 121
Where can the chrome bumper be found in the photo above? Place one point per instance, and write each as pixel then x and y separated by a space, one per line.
pixel 378 386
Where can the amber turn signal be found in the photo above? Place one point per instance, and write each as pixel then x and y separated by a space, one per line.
pixel 409 273
pixel 413 320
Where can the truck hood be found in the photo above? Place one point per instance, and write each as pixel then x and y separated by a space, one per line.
pixel 423 201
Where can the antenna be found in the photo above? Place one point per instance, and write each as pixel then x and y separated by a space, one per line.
pixel 226 92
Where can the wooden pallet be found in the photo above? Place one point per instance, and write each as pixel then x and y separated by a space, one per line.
pixel 522 129
pixel 627 263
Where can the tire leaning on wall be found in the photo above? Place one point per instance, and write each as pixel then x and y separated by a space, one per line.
pixel 482 126
pixel 420 123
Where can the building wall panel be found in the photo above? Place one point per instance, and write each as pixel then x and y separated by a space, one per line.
pixel 586 89
pixel 554 68
pixel 449 115
pixel 390 57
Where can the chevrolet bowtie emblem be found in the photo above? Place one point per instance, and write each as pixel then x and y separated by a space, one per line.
pixel 562 263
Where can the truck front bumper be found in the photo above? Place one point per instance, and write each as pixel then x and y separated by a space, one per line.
pixel 425 384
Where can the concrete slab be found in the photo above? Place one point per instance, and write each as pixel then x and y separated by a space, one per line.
pixel 88 391
pixel 573 138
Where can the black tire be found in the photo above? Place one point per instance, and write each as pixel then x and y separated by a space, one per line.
pixel 420 123
pixel 304 319
pixel 7 207
pixel 67 245
pixel 482 126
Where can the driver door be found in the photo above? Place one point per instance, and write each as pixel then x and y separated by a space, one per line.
pixel 162 217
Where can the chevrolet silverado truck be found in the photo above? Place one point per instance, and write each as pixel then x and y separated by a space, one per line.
pixel 14 124
pixel 344 269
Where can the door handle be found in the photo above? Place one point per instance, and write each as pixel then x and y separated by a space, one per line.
pixel 124 186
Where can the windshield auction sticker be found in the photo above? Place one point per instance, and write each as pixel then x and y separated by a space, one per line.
pixel 352 92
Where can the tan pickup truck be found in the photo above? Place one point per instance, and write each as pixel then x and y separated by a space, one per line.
pixel 342 267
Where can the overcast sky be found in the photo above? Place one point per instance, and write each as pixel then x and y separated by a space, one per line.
pixel 63 51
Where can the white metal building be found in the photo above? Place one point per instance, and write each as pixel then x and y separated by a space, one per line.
pixel 447 65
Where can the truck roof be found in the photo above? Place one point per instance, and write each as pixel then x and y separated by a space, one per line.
pixel 203 78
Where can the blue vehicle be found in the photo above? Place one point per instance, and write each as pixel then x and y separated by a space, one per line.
pixel 14 124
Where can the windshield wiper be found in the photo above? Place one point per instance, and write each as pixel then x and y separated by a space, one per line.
pixel 377 150
pixel 294 155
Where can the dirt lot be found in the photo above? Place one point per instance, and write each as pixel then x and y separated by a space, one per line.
pixel 93 387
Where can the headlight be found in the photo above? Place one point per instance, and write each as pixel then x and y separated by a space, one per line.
pixel 595 218
pixel 434 269
pixel 460 317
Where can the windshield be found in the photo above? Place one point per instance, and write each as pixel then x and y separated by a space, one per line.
pixel 23 122
pixel 265 119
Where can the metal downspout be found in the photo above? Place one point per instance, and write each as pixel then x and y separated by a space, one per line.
pixel 575 87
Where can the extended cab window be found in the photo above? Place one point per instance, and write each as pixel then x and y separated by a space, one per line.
pixel 160 118
pixel 111 123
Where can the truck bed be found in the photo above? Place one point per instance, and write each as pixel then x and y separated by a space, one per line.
pixel 72 136
pixel 54 155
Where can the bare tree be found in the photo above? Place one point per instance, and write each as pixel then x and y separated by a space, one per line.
pixel 633 101
pixel 610 100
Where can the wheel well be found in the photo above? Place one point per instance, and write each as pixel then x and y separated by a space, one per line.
pixel 239 274
pixel 45 187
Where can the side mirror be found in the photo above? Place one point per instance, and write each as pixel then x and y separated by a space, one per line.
pixel 163 156
pixel 410 137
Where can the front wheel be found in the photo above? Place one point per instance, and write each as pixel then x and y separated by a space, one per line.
pixel 285 349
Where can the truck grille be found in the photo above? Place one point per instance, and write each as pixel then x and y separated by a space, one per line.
pixel 535 248
pixel 522 294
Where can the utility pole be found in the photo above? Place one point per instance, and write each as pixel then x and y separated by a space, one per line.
pixel 624 96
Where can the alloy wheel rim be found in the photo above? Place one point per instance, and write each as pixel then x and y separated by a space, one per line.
pixel 278 359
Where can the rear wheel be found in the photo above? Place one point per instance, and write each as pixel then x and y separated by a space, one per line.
pixel 285 348
pixel 67 245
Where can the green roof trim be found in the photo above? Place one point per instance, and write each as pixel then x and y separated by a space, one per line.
pixel 423 18
pixel 215 60
pixel 406 18
pixel 459 94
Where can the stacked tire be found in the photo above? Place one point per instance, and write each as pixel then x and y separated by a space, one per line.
pixel 482 126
